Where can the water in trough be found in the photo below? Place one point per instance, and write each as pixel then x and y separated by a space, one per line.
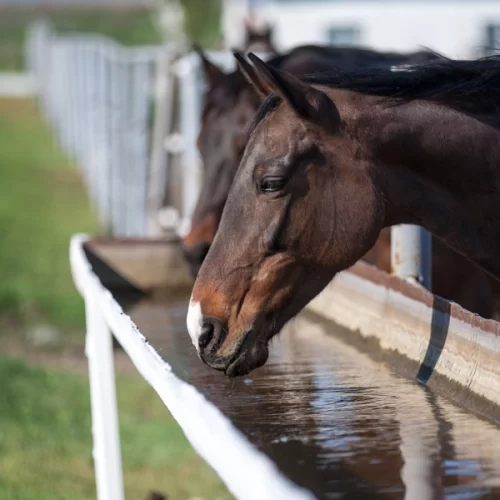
pixel 336 421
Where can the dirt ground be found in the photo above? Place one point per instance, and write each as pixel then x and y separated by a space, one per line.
pixel 71 358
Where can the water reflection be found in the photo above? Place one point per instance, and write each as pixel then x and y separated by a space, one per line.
pixel 335 421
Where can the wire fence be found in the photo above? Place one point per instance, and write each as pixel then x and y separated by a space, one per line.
pixel 98 97
pixel 129 117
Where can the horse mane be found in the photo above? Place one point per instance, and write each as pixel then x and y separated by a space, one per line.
pixel 470 86
pixel 364 56
pixel 233 84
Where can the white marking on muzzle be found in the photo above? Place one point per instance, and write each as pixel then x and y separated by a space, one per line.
pixel 194 322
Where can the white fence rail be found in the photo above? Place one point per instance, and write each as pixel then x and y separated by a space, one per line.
pixel 187 75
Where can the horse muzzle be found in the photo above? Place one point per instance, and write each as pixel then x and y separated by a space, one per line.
pixel 250 354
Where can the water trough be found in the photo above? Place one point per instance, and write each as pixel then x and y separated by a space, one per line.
pixel 320 398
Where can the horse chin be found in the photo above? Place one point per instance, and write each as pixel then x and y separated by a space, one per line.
pixel 251 355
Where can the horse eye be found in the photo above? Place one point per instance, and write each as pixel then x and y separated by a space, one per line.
pixel 271 184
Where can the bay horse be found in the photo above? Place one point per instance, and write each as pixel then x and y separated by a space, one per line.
pixel 229 104
pixel 330 162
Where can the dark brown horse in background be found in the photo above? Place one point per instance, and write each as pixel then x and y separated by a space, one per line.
pixel 327 166
pixel 229 104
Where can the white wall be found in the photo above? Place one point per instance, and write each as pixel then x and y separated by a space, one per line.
pixel 454 28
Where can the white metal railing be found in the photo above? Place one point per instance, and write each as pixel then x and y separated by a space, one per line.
pixel 411 254
pixel 212 435
pixel 411 246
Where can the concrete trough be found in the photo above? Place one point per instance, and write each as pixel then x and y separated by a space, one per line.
pixel 425 336
pixel 422 336
pixel 144 264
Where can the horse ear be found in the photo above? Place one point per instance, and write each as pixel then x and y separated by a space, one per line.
pixel 307 101
pixel 259 84
pixel 211 71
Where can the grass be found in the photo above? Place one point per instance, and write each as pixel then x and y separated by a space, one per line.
pixel 202 20
pixel 45 440
pixel 42 204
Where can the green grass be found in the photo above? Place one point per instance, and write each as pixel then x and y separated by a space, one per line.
pixel 45 440
pixel 202 20
pixel 42 204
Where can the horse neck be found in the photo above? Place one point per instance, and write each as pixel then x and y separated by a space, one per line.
pixel 439 168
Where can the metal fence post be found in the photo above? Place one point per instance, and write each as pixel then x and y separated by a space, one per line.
pixel 119 156
pixel 163 119
pixel 138 135
pixel 190 113
pixel 93 112
pixel 89 79
pixel 411 246
pixel 71 98
pixel 103 134
pixel 411 253
pixel 105 432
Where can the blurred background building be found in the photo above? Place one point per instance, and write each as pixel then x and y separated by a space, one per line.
pixel 456 28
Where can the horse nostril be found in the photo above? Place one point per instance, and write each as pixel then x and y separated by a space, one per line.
pixel 206 335
pixel 211 330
